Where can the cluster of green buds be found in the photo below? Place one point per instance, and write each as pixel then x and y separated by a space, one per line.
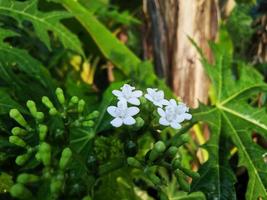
pixel 34 137
pixel 55 176
pixel 164 154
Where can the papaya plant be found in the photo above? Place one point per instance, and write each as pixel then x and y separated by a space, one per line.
pixel 234 119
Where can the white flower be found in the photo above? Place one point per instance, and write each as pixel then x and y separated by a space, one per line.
pixel 128 94
pixel 156 97
pixel 168 117
pixel 174 114
pixel 122 114
pixel 181 110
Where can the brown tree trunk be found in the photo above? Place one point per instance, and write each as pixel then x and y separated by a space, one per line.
pixel 175 58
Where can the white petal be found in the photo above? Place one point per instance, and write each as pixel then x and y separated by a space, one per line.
pixel 175 125
pixel 156 103
pixel 132 111
pixel 127 86
pixel 122 98
pixel 147 96
pixel 181 108
pixel 117 93
pixel 180 118
pixel 173 102
pixel 161 112
pixel 150 91
pixel 164 102
pixel 134 101
pixel 117 122
pixel 137 93
pixel 129 121
pixel 161 94
pixel 112 111
pixel 164 122
pixel 187 116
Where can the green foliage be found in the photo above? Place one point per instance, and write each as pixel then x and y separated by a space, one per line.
pixel 42 22
pixel 60 143
pixel 236 119
pixel 61 146
pixel 114 50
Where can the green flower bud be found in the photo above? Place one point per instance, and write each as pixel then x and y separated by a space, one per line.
pixel 153 155
pixel 154 179
pixel 157 150
pixel 81 105
pixel 27 178
pixel 55 186
pixel 53 111
pixel 42 131
pixel 46 101
pixel 93 115
pixel 74 100
pixel 21 159
pixel 182 140
pixel 18 131
pixel 20 191
pixel 60 95
pixel 172 151
pixel 160 146
pixel 177 165
pixel 17 141
pixel 182 182
pixel 133 162
pixel 32 107
pixel 139 123
pixel 16 115
pixel 39 116
pixel 89 123
pixel 45 153
pixel 65 158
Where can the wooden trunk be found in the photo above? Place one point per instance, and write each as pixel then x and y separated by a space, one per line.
pixel 175 58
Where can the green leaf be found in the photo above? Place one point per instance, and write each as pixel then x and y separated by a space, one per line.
pixel 43 22
pixel 80 138
pixel 13 59
pixel 108 44
pixel 185 196
pixel 238 120
pixel 217 179
pixel 7 103
pixel 116 185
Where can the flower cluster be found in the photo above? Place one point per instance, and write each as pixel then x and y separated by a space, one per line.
pixel 122 113
pixel 171 113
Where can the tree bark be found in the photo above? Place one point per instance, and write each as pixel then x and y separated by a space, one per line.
pixel 175 58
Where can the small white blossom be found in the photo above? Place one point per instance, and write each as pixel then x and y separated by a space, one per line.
pixel 168 117
pixel 128 94
pixel 174 114
pixel 122 114
pixel 181 110
pixel 156 97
